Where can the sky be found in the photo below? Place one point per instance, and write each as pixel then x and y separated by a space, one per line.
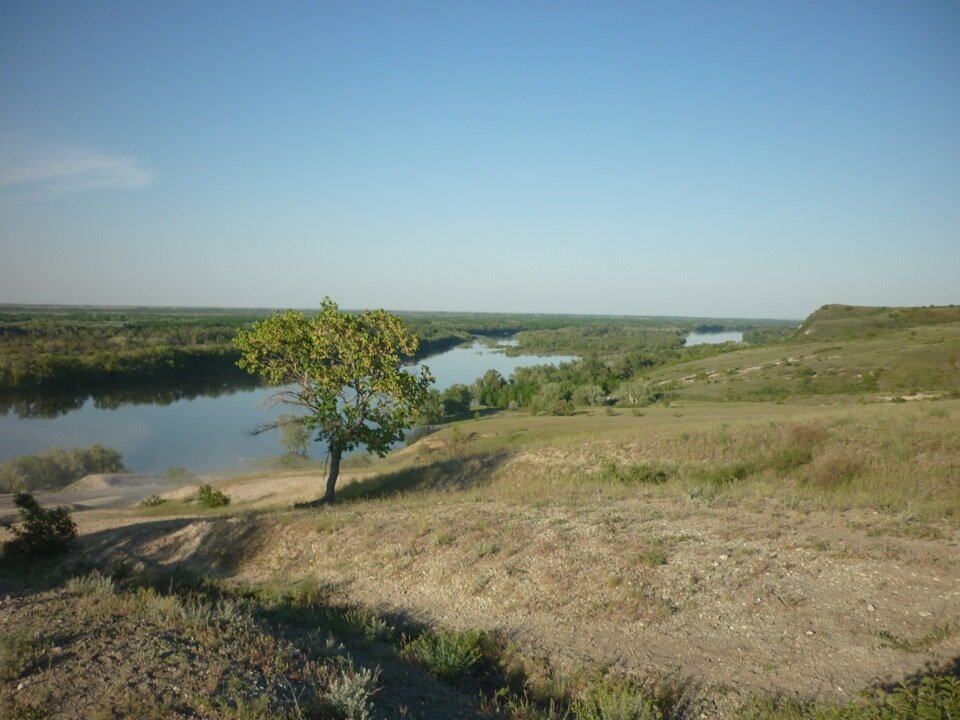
pixel 710 159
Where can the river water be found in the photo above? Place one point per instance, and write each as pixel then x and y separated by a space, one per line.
pixel 206 433
pixel 713 338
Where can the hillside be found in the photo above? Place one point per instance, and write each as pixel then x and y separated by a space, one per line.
pixel 867 354
pixel 834 321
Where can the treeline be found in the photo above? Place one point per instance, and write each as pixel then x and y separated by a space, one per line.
pixel 76 352
pixel 49 372
pixel 56 468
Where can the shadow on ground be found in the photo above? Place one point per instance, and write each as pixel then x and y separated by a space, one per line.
pixel 450 474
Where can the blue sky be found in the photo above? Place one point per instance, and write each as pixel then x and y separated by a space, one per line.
pixel 752 159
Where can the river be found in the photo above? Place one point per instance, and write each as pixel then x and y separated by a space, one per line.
pixel 210 432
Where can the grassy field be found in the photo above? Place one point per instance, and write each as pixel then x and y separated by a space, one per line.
pixel 706 555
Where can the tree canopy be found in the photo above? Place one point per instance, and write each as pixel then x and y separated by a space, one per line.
pixel 344 374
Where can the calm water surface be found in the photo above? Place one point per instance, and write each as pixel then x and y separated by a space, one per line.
pixel 211 433
pixel 713 338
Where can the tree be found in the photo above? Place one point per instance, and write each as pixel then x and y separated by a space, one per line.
pixel 487 389
pixel 294 435
pixel 41 533
pixel 343 372
pixel 456 400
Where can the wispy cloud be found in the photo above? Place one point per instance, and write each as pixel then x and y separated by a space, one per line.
pixel 31 170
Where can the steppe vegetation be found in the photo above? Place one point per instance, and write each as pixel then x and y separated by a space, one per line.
pixel 753 532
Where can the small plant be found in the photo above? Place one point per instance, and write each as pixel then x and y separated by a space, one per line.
pixel 724 474
pixel 210 498
pixel 450 655
pixel 92 585
pixel 18 651
pixel 152 501
pixel 41 533
pixel 613 472
pixel 349 693
pixel 610 699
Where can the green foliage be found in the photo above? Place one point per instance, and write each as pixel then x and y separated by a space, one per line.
pixel 56 468
pixel 344 371
pixel 552 399
pixel 456 400
pixel 210 498
pixel 430 411
pixel 152 501
pixel 451 655
pixel 614 700
pixel 933 697
pixel 40 533
pixel 721 475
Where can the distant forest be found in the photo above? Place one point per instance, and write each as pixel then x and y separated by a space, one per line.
pixel 116 353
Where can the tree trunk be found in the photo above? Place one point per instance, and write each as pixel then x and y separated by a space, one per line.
pixel 335 454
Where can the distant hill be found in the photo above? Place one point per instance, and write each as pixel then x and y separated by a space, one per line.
pixel 835 321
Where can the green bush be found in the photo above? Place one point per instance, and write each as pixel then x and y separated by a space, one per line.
pixel 450 655
pixel 40 533
pixel 210 498
pixel 613 472
pixel 614 701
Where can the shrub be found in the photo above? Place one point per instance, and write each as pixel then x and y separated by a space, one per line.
pixel 833 470
pixel 350 693
pixel 41 533
pixel 724 474
pixel 18 652
pixel 450 655
pixel 621 700
pixel 613 472
pixel 152 501
pixel 92 585
pixel 210 498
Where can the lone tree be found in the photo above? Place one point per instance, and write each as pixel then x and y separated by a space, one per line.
pixel 344 372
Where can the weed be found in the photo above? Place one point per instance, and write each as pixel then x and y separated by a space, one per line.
pixel 445 538
pixel 605 700
pixel 934 697
pixel 484 548
pixel 152 501
pixel 450 655
pixel 833 470
pixel 351 691
pixel 92 585
pixel 723 474
pixel 18 652
pixel 210 498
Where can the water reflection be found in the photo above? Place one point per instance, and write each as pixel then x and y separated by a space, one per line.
pixel 112 397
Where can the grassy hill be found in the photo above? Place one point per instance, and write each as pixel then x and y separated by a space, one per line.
pixel 835 321
pixel 867 354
